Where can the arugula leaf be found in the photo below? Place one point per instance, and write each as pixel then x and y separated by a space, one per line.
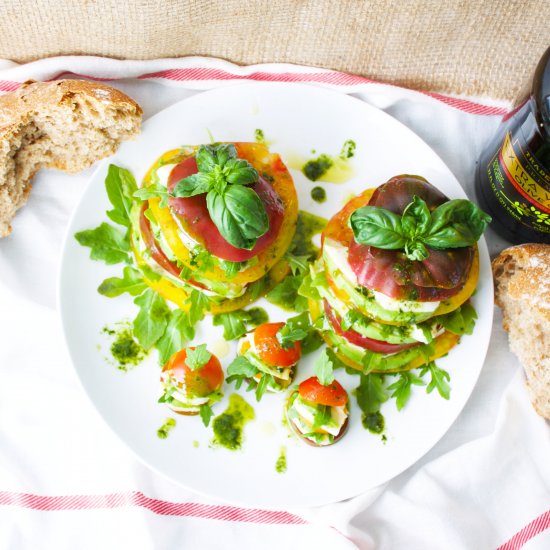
pixel 371 393
pixel 236 210
pixel 241 367
pixel 285 294
pixel 323 415
pixel 198 305
pixel 131 282
pixel 152 319
pixel 120 185
pixel 324 369
pixel 263 382
pixel 298 264
pixel 312 342
pixel 460 321
pixel 236 323
pixel 198 357
pixel 106 243
pixel 152 191
pixel 178 332
pixel 439 379
pixel 206 413
pixel 402 387
pixel 230 268
pixel 295 329
pixel 309 284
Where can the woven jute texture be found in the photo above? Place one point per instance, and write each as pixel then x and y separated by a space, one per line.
pixel 469 47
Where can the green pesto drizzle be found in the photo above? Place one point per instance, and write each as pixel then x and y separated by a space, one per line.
pixel 307 227
pixel 259 136
pixel 280 465
pixel 125 350
pixel 374 422
pixel 318 194
pixel 164 430
pixel 228 426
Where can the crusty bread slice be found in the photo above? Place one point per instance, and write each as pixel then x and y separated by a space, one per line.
pixel 522 290
pixel 65 124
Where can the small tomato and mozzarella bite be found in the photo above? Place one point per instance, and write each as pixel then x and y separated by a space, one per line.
pixel 263 349
pixel 318 414
pixel 192 378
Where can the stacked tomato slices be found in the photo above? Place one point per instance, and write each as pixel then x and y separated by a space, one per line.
pixel 183 233
pixel 402 304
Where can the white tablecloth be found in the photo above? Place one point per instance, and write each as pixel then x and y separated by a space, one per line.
pixel 67 482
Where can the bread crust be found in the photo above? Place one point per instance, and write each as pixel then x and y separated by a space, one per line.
pixel 522 290
pixel 42 125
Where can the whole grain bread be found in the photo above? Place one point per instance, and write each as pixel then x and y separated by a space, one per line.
pixel 65 124
pixel 522 290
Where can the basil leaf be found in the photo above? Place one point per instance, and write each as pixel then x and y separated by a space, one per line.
pixel 178 332
pixel 324 369
pixel 416 217
pixel 209 156
pixel 240 172
pixel 456 223
pixel 198 357
pixel 131 282
pixel 196 184
pixel 106 244
pixel 152 319
pixel 239 215
pixel 378 227
pixel 120 185
pixel 415 250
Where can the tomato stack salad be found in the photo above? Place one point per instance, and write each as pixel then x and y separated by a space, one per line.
pixel 215 227
pixel 216 219
pixel 390 290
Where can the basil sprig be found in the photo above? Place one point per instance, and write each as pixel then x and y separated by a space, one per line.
pixel 454 224
pixel 235 209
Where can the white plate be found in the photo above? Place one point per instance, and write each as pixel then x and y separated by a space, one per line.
pixel 295 120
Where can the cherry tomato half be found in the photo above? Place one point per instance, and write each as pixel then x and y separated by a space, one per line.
pixel 270 350
pixel 333 395
pixel 196 383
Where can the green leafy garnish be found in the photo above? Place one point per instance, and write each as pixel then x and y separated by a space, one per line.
pixel 178 332
pixel 324 369
pixel 120 185
pixel 460 321
pixel 236 323
pixel 106 243
pixel 454 224
pixel 285 294
pixel 198 357
pixel 152 191
pixel 235 209
pixel 298 264
pixel 402 387
pixel 371 393
pixel 206 413
pixel 439 379
pixel 131 282
pixel 295 329
pixel 198 306
pixel 152 319
pixel 241 369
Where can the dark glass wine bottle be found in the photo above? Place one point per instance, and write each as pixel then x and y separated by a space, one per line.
pixel 513 172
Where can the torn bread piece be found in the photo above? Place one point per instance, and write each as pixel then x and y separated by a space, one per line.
pixel 65 124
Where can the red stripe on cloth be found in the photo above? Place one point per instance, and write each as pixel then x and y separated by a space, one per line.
pixel 531 530
pixel 328 77
pixel 139 500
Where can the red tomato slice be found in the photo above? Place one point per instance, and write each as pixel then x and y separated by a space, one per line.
pixel 195 383
pixel 156 252
pixel 379 346
pixel 194 212
pixel 270 350
pixel 333 395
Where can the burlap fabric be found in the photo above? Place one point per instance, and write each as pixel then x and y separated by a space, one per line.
pixel 467 47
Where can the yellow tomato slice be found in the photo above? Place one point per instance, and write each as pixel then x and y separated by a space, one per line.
pixel 266 163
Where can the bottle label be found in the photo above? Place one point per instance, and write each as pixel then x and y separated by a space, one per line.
pixel 521 184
